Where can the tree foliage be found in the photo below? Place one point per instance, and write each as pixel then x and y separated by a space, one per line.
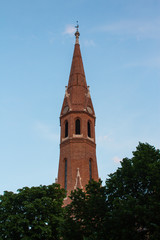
pixel 86 214
pixel 133 195
pixel 32 213
pixel 126 207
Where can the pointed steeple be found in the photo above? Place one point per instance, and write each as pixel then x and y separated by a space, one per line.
pixel 77 95
pixel 77 163
pixel 77 75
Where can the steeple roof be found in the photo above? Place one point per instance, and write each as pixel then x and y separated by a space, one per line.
pixel 77 75
pixel 77 96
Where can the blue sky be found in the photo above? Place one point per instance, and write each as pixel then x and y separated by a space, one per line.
pixel 120 46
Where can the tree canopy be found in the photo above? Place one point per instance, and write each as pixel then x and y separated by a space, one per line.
pixel 133 195
pixel 32 213
pixel 126 207
pixel 86 214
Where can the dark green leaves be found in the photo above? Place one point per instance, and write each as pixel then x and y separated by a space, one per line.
pixel 33 213
pixel 127 207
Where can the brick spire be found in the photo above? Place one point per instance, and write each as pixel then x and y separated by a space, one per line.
pixel 77 95
pixel 77 162
pixel 77 75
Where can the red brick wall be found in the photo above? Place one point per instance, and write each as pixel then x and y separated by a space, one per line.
pixel 77 150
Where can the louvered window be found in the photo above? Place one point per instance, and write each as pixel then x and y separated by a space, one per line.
pixel 77 127
pixel 66 129
pixel 89 129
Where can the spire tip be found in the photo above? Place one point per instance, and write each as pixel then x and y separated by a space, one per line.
pixel 77 34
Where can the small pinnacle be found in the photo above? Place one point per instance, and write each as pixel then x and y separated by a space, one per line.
pixel 77 34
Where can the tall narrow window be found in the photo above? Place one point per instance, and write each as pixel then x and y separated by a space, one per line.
pixel 66 129
pixel 65 175
pixel 90 169
pixel 77 127
pixel 89 129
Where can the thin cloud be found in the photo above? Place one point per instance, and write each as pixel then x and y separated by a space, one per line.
pixel 117 159
pixel 102 140
pixel 46 131
pixel 135 28
pixel 89 43
pixel 69 30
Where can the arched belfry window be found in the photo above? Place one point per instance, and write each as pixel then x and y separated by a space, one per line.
pixel 90 169
pixel 65 174
pixel 66 128
pixel 89 129
pixel 77 127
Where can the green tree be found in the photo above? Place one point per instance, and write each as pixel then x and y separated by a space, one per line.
pixel 32 213
pixel 133 196
pixel 127 207
pixel 86 214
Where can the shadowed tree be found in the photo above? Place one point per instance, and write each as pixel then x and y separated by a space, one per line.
pixel 32 213
pixel 86 215
pixel 133 196
pixel 127 207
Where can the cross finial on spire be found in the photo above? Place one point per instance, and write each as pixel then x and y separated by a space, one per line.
pixel 77 34
pixel 77 26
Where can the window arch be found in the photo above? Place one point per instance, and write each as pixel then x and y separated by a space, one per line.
pixel 89 129
pixel 90 169
pixel 65 174
pixel 66 128
pixel 77 127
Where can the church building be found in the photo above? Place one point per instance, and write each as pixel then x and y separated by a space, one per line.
pixel 77 162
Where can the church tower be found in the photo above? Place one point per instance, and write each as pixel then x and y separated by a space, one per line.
pixel 77 163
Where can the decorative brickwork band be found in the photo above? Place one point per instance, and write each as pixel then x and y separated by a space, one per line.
pixel 78 180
